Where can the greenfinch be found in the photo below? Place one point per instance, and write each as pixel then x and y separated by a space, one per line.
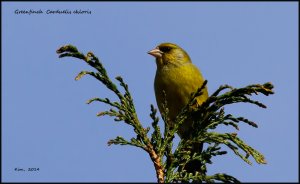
pixel 178 78
pixel 175 80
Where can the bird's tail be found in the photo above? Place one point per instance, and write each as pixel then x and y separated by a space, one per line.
pixel 194 165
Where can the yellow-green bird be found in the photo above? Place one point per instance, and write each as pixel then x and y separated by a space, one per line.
pixel 178 78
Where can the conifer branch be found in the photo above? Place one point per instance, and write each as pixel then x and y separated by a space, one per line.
pixel 169 164
pixel 125 110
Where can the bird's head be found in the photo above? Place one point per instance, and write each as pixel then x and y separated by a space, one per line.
pixel 168 54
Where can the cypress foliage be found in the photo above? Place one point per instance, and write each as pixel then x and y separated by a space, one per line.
pixel 169 163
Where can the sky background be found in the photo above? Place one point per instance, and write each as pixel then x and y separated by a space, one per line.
pixel 47 125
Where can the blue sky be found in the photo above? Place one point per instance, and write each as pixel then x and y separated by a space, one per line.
pixel 47 125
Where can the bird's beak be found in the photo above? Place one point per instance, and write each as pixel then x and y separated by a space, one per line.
pixel 155 52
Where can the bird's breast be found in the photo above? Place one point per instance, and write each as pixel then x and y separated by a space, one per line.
pixel 178 83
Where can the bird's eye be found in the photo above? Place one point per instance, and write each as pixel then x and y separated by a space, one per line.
pixel 165 49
